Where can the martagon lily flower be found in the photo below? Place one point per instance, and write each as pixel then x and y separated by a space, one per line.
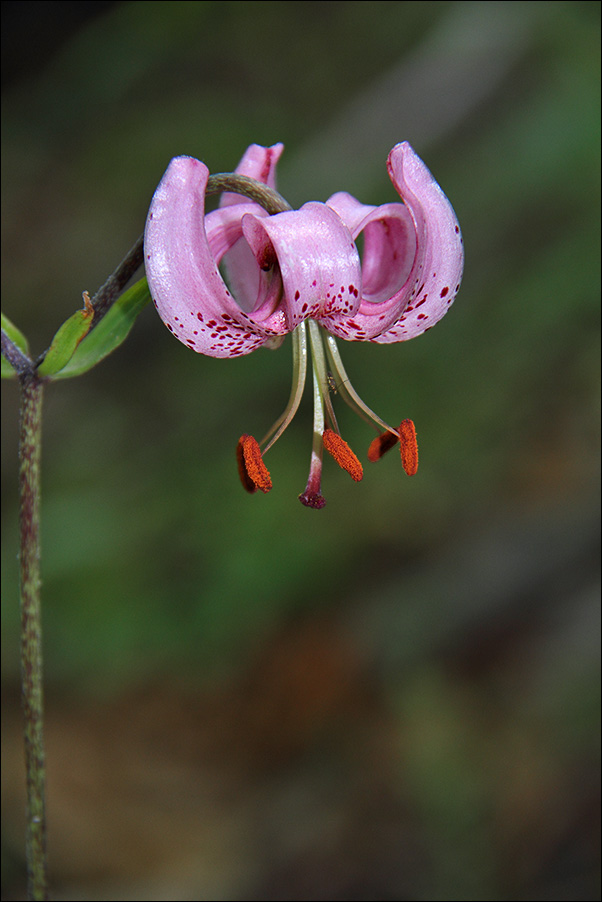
pixel 300 271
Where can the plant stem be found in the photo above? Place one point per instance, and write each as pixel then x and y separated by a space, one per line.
pixel 16 357
pixel 107 294
pixel 31 633
pixel 262 194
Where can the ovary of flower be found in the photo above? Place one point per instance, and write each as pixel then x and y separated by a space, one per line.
pixel 303 267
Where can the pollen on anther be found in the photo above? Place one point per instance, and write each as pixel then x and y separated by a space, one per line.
pixel 381 444
pixel 342 453
pixel 409 447
pixel 252 470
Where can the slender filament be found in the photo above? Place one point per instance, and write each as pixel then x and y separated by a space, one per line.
pixel 299 374
pixel 346 390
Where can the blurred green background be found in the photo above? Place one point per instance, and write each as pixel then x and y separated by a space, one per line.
pixel 396 697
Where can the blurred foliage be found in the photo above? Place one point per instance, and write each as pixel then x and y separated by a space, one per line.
pixel 468 594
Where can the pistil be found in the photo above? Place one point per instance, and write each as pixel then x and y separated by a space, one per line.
pixel 312 496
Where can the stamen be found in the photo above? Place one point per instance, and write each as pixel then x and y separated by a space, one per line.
pixel 381 444
pixel 252 470
pixel 346 389
pixel 342 453
pixel 299 372
pixel 409 447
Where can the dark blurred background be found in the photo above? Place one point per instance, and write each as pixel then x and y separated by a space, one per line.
pixel 396 697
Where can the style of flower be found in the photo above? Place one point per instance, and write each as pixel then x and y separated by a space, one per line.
pixel 300 271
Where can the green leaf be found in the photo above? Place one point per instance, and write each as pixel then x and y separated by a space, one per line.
pixel 65 342
pixel 112 330
pixel 17 337
pixel 6 370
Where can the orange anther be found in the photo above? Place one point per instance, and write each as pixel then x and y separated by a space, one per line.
pixel 342 453
pixel 252 470
pixel 381 444
pixel 409 447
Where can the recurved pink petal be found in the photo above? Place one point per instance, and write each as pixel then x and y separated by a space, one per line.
pixel 389 247
pixel 239 265
pixel 412 259
pixel 231 251
pixel 182 268
pixel 437 270
pixel 257 163
pixel 317 259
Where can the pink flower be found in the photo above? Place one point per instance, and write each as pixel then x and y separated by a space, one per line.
pixel 300 271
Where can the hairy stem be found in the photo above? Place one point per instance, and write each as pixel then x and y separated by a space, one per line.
pixel 31 633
